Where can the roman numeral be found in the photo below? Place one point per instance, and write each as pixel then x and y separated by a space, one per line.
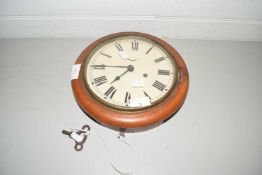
pixel 159 59
pixel 106 55
pixel 149 49
pixel 100 80
pixel 110 92
pixel 119 47
pixel 147 95
pixel 127 98
pixel 160 86
pixel 163 72
pixel 135 45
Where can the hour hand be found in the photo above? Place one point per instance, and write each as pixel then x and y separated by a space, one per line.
pixel 130 68
pixel 118 77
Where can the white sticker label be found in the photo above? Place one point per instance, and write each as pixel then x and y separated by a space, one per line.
pixel 75 71
pixel 77 137
pixel 123 54
pixel 137 83
pixel 139 102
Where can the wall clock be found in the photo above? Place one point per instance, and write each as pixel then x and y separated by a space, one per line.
pixel 130 80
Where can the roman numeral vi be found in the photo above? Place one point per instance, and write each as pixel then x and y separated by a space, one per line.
pixel 127 98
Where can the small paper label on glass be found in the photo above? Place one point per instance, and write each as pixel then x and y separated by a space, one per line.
pixel 139 102
pixel 123 54
pixel 75 71
pixel 137 83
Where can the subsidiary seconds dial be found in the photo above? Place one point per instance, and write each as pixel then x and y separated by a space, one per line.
pixel 130 72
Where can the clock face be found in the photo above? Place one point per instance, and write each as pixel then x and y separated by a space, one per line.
pixel 129 72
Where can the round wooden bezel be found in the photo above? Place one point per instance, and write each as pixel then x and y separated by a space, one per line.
pixel 131 119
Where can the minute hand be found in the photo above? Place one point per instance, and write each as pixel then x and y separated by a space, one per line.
pixel 102 66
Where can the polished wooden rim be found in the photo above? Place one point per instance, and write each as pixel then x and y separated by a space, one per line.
pixel 131 119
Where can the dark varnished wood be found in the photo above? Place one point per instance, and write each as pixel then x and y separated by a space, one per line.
pixel 131 119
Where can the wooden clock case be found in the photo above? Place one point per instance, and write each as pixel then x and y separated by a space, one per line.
pixel 116 118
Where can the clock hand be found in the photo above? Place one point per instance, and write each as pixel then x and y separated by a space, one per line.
pixel 130 68
pixel 102 66
pixel 118 77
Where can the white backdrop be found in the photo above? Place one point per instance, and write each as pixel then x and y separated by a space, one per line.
pixel 203 19
pixel 217 131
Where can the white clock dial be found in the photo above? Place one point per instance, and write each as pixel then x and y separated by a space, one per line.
pixel 130 72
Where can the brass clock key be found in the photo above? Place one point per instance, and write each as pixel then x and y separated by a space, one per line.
pixel 79 136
